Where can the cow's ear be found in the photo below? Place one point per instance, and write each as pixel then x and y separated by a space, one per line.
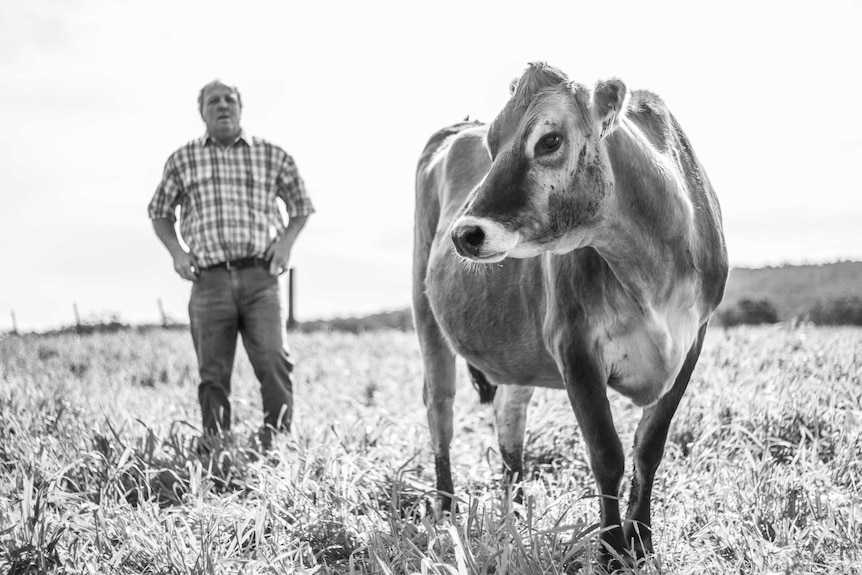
pixel 608 104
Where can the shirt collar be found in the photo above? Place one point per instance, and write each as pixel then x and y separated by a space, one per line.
pixel 243 137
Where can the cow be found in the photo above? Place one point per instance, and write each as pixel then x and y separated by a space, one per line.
pixel 575 242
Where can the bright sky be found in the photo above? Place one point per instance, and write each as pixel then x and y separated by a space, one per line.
pixel 95 95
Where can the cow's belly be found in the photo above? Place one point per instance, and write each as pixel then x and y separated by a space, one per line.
pixel 492 315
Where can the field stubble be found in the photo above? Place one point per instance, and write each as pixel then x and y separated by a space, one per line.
pixel 99 470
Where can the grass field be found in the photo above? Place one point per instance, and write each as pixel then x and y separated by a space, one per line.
pixel 99 472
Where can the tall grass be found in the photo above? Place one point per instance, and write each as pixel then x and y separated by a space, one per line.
pixel 100 470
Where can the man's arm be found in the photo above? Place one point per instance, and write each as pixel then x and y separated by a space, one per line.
pixel 184 262
pixel 278 252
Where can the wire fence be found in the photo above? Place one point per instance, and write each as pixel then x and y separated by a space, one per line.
pixel 112 322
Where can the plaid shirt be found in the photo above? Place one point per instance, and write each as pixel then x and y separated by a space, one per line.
pixel 228 196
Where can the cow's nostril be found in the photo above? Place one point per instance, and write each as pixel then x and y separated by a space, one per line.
pixel 475 236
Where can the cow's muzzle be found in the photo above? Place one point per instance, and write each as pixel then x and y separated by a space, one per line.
pixel 482 239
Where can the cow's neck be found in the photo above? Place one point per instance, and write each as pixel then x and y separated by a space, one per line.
pixel 646 235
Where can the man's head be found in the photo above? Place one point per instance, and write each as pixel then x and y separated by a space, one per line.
pixel 220 106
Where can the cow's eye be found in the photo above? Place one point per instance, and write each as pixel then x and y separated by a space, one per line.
pixel 549 143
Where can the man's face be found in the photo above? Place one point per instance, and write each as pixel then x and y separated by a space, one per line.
pixel 221 113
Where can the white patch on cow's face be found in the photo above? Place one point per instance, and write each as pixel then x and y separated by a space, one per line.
pixel 551 146
pixel 567 175
pixel 551 134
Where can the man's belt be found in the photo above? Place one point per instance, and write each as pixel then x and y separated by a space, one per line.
pixel 240 264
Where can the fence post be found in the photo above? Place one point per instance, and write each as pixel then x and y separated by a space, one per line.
pixel 162 313
pixel 291 298
pixel 77 316
pixel 14 323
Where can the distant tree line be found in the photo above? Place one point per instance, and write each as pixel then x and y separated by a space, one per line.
pixel 401 320
pixel 839 311
pixel 749 312
pixel 842 310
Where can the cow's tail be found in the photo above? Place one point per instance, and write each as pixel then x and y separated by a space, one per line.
pixel 486 389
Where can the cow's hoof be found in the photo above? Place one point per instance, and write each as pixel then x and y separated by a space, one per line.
pixel 612 558
pixel 611 563
pixel 638 540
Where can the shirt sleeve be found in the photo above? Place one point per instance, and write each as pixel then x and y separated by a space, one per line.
pixel 168 194
pixel 291 189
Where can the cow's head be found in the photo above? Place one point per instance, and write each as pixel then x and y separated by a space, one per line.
pixel 550 178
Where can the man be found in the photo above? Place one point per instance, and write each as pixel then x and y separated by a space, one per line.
pixel 226 184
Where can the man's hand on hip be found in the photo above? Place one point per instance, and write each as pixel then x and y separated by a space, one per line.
pixel 278 254
pixel 186 265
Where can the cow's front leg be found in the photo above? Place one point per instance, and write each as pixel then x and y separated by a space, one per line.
pixel 650 439
pixel 586 385
pixel 438 387
pixel 510 412
pixel 438 394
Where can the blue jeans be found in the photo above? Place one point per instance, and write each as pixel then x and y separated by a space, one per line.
pixel 246 301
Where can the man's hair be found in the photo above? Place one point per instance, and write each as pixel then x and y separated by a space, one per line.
pixel 216 82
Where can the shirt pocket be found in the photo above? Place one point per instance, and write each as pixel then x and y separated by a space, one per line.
pixel 261 192
pixel 200 186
